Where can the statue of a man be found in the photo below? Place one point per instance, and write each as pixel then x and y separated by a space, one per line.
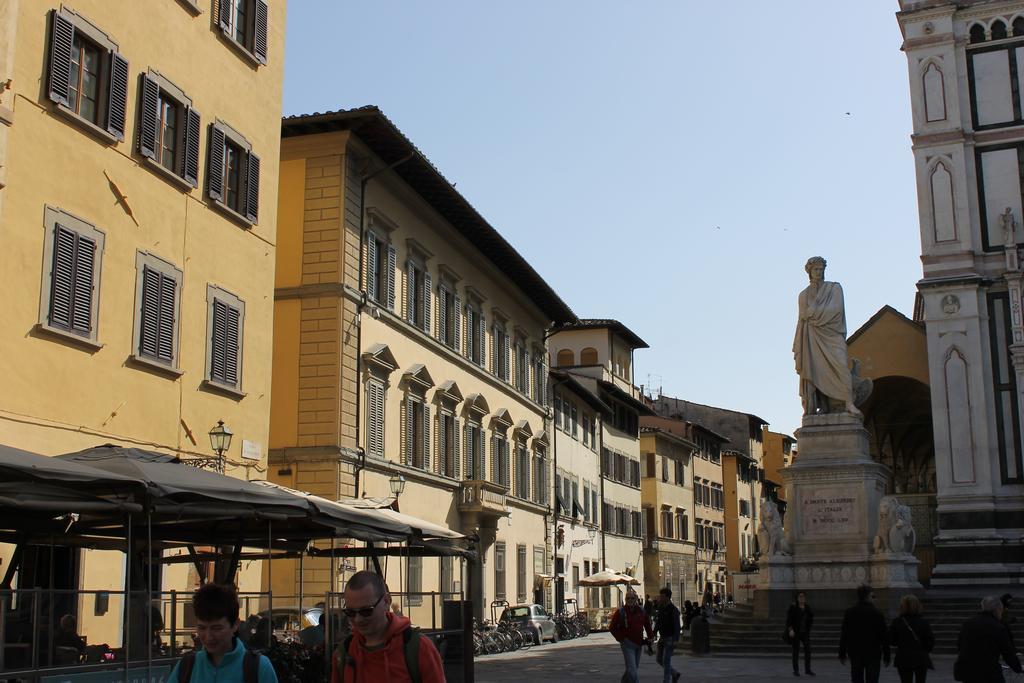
pixel 820 345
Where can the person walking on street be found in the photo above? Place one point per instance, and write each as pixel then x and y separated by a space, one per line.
pixel 650 610
pixel 628 626
pixel 982 640
pixel 1007 619
pixel 863 638
pixel 799 620
pixel 383 645
pixel 912 636
pixel 223 656
pixel 668 634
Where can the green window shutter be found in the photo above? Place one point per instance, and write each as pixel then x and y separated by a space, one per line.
pixel 456 431
pixel 482 341
pixel 117 95
pixel 410 431
pixel 442 314
pixel 457 323
pixel 427 294
pixel 426 437
pixel 371 267
pixel 190 169
pixel 410 292
pixel 62 40
pixel 149 117
pixel 442 460
pixel 506 371
pixel 392 265
pixel 252 188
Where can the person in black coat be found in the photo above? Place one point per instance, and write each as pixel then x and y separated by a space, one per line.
pixel 982 640
pixel 863 638
pixel 912 636
pixel 799 620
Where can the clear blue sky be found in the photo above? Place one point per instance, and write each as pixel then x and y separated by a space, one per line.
pixel 668 164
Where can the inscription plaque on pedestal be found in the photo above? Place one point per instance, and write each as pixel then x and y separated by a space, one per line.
pixel 829 511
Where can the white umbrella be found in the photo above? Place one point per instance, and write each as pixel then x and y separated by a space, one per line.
pixel 608 578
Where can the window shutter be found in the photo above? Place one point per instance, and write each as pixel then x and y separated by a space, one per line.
pixel 443 461
pixel 426 437
pixel 392 264
pixel 495 351
pixel 467 466
pixel 252 189
pixel 259 44
pixel 215 174
pixel 61 43
pixel 117 102
pixel 63 274
pixel 507 351
pixel 190 169
pixel 371 266
pixel 407 428
pixel 481 454
pixel 81 307
pixel 224 15
pixel 426 301
pixel 168 292
pixel 410 291
pixel 231 347
pixel 457 324
pixel 224 344
pixel 379 422
pixel 442 314
pixel 494 458
pixel 149 117
pixel 456 431
pixel 483 341
pixel 544 383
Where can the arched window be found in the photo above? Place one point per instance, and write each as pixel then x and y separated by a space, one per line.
pixel 588 356
pixel 998 30
pixel 566 357
pixel 1018 27
pixel 977 33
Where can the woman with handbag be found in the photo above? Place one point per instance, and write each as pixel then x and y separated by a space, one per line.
pixel 912 636
pixel 799 620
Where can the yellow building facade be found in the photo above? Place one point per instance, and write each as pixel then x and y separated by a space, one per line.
pixel 670 558
pixel 778 453
pixel 138 182
pixel 410 342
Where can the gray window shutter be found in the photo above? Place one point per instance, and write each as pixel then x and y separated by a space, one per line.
pixel 481 454
pixel 224 344
pixel 467 464
pixel 442 461
pixel 149 117
pixel 544 383
pixel 427 293
pixel 457 323
pixel 392 264
pixel 482 341
pixel 410 291
pixel 259 44
pixel 215 174
pixel 156 328
pixel 62 41
pixel 508 364
pixel 190 169
pixel 442 314
pixel 426 437
pixel 252 189
pixel 410 431
pixel 371 267
pixel 494 351
pixel 494 459
pixel 224 16
pixel 117 95
pixel 81 309
pixel 231 347
pixel 456 431
pixel 71 288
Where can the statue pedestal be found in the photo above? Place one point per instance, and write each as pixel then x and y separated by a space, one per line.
pixel 833 492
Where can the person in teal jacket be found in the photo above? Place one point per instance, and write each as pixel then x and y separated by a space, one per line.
pixel 223 658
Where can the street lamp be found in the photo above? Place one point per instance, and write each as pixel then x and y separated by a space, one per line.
pixel 591 533
pixel 397 482
pixel 220 441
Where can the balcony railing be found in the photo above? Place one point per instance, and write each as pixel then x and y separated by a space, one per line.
pixel 483 497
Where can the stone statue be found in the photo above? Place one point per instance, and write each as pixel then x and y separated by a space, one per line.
pixel 770 533
pixel 1009 226
pixel 862 386
pixel 895 528
pixel 819 347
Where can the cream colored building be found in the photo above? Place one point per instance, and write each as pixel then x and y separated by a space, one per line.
pixel 670 557
pixel 138 180
pixel 602 352
pixel 410 342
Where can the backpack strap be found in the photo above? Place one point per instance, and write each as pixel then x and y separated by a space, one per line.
pixel 188 662
pixel 341 658
pixel 251 667
pixel 411 643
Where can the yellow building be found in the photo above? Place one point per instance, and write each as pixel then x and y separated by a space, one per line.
pixel 778 453
pixel 409 341
pixel 667 492
pixel 138 181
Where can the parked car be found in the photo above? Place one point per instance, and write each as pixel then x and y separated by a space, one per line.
pixel 535 618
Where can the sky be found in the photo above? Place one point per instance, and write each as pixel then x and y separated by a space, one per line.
pixel 671 165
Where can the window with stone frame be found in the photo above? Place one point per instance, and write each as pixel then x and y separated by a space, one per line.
pixel 521 574
pixel 381 262
pixel 522 361
pixel 157 311
pixel 474 456
pixel 449 430
pixel 540 377
pixel 169 128
pixel 540 474
pixel 416 443
pixel 87 76
pixel 476 333
pixel 418 289
pixel 682 526
pixel 666 523
pixel 500 350
pixel 449 314
pixel 245 24
pixel 523 461
pixel 233 173
pixel 586 501
pixel 225 331
pixel 72 259
pixel 499 570
pixel 378 363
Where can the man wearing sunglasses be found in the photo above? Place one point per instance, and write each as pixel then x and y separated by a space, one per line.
pixel 383 646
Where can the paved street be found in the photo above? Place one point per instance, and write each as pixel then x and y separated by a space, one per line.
pixel 597 657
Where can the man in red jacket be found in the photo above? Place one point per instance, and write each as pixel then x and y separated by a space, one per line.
pixel 383 646
pixel 628 626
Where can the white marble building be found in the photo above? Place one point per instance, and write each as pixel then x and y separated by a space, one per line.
pixel 966 68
